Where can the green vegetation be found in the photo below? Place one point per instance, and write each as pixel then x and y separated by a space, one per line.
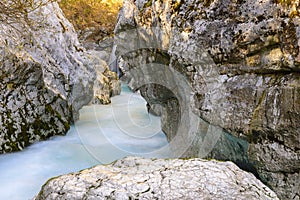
pixel 100 14
pixel 148 4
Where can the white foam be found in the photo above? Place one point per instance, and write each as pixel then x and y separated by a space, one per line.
pixel 102 135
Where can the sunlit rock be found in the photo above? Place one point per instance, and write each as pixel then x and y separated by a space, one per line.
pixel 138 178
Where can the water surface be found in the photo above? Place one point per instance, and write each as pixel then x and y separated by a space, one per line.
pixel 102 135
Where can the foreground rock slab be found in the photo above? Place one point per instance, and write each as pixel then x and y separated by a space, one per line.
pixel 139 178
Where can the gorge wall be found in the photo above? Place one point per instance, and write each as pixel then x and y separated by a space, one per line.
pixel 241 60
pixel 46 76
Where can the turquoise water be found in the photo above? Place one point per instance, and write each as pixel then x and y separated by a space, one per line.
pixel 103 134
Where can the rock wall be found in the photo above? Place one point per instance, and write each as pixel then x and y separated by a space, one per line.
pixel 46 77
pixel 241 60
pixel 138 178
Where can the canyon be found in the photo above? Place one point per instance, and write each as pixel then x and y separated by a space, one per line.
pixel 222 75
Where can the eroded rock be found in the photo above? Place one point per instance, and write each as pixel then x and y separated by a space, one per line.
pixel 138 178
pixel 46 77
pixel 241 60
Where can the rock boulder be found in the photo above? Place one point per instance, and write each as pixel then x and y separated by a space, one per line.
pixel 138 178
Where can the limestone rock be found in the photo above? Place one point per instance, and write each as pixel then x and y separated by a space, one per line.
pixel 107 83
pixel 103 47
pixel 241 62
pixel 46 77
pixel 138 178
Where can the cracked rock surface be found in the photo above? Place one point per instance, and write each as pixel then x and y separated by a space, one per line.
pixel 46 76
pixel 241 60
pixel 139 178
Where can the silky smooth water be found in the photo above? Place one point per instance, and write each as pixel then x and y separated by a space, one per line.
pixel 103 134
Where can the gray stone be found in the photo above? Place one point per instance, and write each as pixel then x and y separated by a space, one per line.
pixel 107 83
pixel 241 60
pixel 138 178
pixel 46 77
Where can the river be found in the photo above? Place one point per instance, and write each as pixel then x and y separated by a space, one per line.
pixel 103 134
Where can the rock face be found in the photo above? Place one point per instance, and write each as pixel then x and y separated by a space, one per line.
pixel 137 178
pixel 107 83
pixel 241 60
pixel 46 77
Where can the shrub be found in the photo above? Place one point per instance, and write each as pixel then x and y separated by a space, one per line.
pixel 100 14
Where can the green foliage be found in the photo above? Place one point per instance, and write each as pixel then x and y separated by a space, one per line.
pixel 148 4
